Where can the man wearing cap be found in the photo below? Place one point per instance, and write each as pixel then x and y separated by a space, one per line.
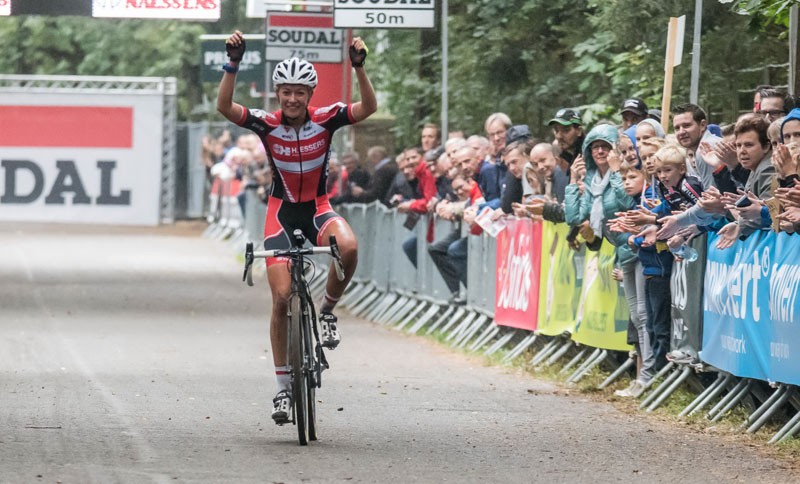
pixel 633 111
pixel 568 132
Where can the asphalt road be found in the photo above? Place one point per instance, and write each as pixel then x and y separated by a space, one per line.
pixel 137 356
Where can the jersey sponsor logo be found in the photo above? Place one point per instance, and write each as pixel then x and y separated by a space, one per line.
pixel 280 150
pixel 260 113
pixel 290 151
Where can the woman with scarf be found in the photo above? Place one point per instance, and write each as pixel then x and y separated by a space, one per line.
pixel 594 196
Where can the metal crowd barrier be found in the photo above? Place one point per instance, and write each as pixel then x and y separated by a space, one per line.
pixel 386 288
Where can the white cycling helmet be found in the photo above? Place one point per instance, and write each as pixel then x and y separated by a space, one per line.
pixel 295 71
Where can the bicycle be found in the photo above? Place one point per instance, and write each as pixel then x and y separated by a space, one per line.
pixel 304 349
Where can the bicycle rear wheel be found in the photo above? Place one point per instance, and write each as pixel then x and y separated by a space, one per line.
pixel 296 343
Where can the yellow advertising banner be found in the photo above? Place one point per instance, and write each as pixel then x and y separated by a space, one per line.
pixel 602 318
pixel 558 292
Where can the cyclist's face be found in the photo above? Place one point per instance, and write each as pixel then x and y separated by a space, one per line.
pixel 294 99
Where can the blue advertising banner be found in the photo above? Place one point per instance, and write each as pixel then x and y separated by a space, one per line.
pixel 784 309
pixel 736 324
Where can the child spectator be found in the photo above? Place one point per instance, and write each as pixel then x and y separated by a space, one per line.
pixel 655 261
pixel 681 191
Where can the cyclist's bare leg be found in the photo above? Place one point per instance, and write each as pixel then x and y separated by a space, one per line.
pixel 348 248
pixel 280 283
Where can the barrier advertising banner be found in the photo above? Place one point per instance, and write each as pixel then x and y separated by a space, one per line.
pixel 751 310
pixel 596 323
pixel 557 279
pixel 81 158
pixel 784 309
pixel 517 277
pixel 736 326
pixel 687 300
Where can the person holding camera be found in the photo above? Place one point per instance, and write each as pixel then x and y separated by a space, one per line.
pixel 297 138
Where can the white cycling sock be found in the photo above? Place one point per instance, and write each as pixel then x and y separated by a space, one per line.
pixel 284 376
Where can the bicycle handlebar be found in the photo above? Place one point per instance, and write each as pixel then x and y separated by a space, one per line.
pixel 293 253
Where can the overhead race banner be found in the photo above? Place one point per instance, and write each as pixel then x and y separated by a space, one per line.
pixel 384 14
pixel 597 323
pixel 517 276
pixel 751 307
pixel 687 300
pixel 252 68
pixel 81 158
pixel 558 281
pixel 157 9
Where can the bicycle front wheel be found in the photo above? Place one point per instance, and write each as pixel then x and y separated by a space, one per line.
pixel 299 370
pixel 311 381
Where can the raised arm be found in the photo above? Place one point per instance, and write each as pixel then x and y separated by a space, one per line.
pixel 235 45
pixel 369 103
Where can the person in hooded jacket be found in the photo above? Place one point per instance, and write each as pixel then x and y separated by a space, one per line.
pixel 595 193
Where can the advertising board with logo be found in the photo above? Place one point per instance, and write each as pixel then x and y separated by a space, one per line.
pixel 81 158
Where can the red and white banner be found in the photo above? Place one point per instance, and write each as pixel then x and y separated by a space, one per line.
pixel 5 7
pixel 168 9
pixel 81 158
pixel 334 79
pixel 517 276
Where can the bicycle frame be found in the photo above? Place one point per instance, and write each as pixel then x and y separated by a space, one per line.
pixel 308 364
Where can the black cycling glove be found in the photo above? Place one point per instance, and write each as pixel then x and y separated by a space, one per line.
pixel 235 52
pixel 357 57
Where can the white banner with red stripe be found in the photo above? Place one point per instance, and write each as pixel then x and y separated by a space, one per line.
pixel 81 158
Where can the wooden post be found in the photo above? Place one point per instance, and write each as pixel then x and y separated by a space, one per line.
pixel 669 66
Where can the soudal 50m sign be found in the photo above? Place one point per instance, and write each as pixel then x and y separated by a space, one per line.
pixel 384 14
pixel 78 158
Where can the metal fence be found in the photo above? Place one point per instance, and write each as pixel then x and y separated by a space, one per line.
pixel 387 289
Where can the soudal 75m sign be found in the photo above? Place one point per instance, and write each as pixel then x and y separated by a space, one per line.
pixel 312 44
pixel 174 9
pixel 80 158
pixel 384 14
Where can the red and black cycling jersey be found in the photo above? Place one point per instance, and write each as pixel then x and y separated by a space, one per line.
pixel 299 159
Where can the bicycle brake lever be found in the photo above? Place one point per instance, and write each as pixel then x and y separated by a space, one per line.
pixel 337 258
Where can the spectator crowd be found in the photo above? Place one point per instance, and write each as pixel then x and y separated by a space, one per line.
pixel 629 185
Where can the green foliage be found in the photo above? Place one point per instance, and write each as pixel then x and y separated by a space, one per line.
pixel 526 58
pixel 764 11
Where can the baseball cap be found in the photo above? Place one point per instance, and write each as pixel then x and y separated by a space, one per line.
pixel 518 132
pixel 634 105
pixel 566 117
